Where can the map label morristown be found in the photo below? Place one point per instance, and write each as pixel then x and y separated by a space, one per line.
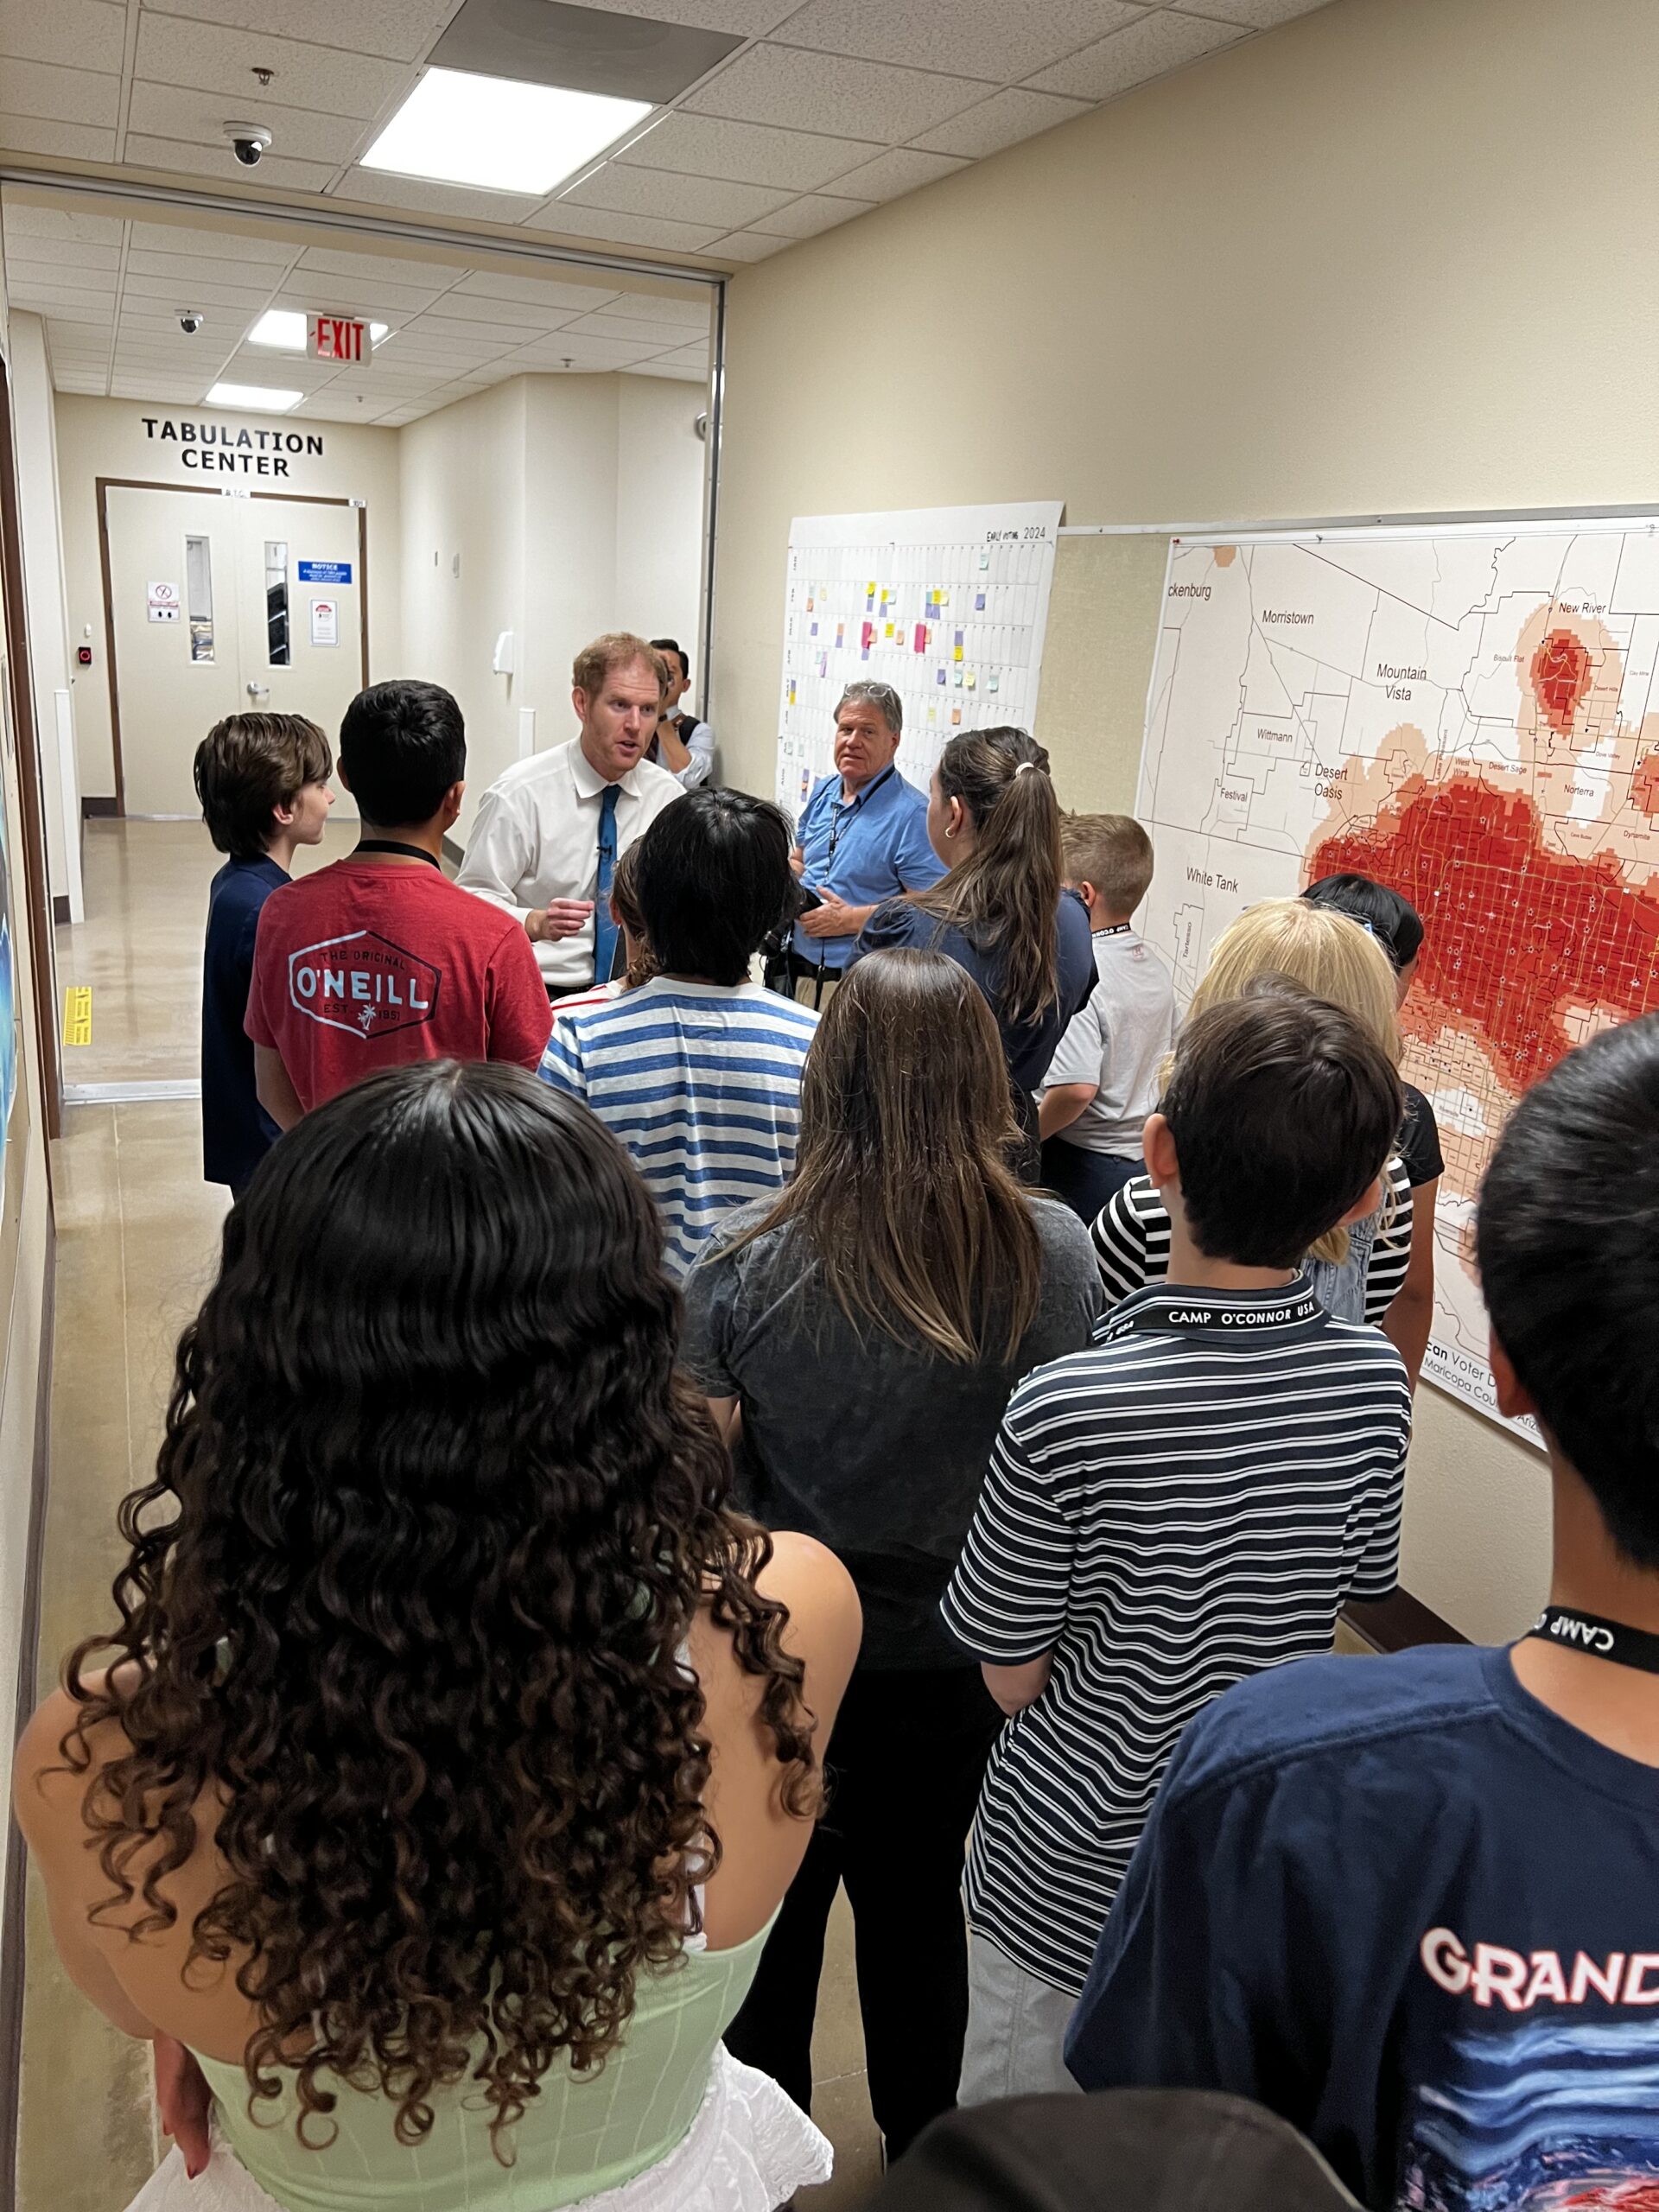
pixel 1284 614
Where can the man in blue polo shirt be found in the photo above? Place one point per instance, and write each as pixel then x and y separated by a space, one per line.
pixel 862 835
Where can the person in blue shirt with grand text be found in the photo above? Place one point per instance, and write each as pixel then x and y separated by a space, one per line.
pixel 862 835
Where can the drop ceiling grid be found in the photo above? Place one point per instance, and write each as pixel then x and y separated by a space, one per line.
pixel 824 111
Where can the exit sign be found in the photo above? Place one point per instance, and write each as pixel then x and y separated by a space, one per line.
pixel 337 338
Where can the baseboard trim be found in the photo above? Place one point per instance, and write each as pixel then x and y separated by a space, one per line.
pixel 1396 1623
pixel 14 1926
pixel 95 809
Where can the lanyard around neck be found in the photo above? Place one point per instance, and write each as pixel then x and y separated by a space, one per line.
pixel 843 810
pixel 1601 1638
pixel 392 845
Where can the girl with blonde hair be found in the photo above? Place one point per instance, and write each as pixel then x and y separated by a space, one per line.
pixel 1357 1273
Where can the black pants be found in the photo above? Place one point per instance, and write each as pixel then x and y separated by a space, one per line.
pixel 905 1765
pixel 1086 1180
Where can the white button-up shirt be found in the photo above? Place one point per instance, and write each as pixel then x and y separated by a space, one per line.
pixel 537 838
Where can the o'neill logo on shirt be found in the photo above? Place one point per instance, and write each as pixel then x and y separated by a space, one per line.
pixel 363 983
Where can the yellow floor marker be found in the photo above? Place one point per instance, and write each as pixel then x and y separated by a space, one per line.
pixel 78 1014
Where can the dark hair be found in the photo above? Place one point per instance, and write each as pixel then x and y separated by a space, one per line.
pixel 401 745
pixel 1004 896
pixel 248 766
pixel 1570 1270
pixel 625 906
pixel 902 1188
pixel 713 880
pixel 1392 920
pixel 1283 1109
pixel 673 645
pixel 406 1599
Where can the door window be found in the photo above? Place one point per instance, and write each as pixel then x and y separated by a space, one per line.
pixel 276 601
pixel 199 595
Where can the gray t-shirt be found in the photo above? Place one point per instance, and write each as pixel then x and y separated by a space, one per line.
pixel 875 1447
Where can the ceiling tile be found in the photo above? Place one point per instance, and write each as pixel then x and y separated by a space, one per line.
pixel 750 18
pixel 168 111
pixel 656 368
pixel 24 221
pixel 686 357
pixel 713 201
pixel 401 29
pixel 1129 57
pixel 747 245
pixel 87 33
pixel 968 38
pixel 563 215
pixel 179 388
pixel 458 308
pixel 399 415
pixel 497 284
pixel 744 153
pixel 82 314
pixel 88 257
pixel 198 291
pixel 1002 120
pixel 227 246
pixel 805 218
pixel 213 59
pixel 903 169
pixel 423 277
pixel 830 93
pixel 590 354
pixel 628 330
pixel 193 160
pixel 54 94
pixel 459 330
pixel 383 190
pixel 1253 15
pixel 328 407
pixel 27 134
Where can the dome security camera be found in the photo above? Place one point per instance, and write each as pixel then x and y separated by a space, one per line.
pixel 248 142
pixel 190 320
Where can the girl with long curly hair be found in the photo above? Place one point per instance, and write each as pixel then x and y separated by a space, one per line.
pixel 455 1746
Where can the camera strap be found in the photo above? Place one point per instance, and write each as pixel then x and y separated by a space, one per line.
pixel 1601 1638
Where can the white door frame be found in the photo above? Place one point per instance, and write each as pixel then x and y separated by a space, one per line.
pixel 105 485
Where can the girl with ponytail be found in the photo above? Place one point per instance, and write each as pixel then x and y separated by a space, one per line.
pixel 1000 912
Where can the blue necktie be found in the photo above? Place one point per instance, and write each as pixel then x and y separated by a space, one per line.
pixel 605 929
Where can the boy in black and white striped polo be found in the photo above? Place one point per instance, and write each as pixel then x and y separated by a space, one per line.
pixel 1188 1502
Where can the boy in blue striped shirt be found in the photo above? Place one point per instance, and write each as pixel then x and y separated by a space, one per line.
pixel 698 1071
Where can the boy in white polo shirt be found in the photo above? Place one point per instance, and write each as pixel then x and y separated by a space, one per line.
pixel 1102 1081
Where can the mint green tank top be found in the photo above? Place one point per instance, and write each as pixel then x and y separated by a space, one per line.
pixel 577 2137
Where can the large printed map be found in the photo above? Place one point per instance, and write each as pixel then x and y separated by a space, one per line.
pixel 1470 716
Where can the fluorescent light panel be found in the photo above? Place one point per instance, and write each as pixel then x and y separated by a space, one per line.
pixel 257 398
pixel 284 328
pixel 498 134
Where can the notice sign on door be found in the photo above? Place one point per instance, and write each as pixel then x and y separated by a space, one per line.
pixel 325 572
pixel 163 602
pixel 324 621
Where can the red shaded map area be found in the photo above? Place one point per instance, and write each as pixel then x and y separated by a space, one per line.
pixel 1515 935
pixel 1561 670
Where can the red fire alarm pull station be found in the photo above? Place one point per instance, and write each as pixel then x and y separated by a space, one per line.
pixel 337 338
pixel 84 655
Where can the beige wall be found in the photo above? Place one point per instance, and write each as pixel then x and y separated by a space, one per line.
pixel 50 659
pixel 1348 268
pixel 107 437
pixel 555 507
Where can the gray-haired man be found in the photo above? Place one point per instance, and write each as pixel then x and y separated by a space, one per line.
pixel 862 835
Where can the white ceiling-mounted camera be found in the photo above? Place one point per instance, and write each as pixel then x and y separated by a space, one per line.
pixel 248 142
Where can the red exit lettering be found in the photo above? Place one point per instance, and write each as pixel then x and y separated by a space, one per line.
pixel 339 337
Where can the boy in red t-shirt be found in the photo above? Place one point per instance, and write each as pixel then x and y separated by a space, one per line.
pixel 379 958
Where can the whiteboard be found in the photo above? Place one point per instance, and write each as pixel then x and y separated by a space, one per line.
pixel 948 605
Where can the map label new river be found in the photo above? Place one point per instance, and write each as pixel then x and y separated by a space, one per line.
pixel 1471 717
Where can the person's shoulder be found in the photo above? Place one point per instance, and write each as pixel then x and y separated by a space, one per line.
pixel 1063 1236
pixel 1320 1716
pixel 781 1012
pixel 907 796
pixel 895 921
pixel 240 888
pixel 538 767
pixel 289 902
pixel 656 785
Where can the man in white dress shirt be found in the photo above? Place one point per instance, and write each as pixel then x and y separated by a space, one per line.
pixel 549 831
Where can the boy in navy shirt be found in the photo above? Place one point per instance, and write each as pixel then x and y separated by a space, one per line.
pixel 1410 1903
pixel 262 781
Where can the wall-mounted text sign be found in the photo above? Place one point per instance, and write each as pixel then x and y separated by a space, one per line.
pixel 325 572
pixel 337 338
pixel 230 448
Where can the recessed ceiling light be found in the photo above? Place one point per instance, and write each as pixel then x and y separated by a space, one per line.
pixel 498 134
pixel 259 398
pixel 284 328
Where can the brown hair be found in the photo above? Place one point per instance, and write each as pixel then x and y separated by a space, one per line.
pixel 1112 854
pixel 248 766
pixel 1004 896
pixel 625 905
pixel 902 1186
pixel 616 649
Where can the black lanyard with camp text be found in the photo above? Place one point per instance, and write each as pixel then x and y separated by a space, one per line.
pixel 1174 1312
pixel 1601 1638
pixel 392 845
